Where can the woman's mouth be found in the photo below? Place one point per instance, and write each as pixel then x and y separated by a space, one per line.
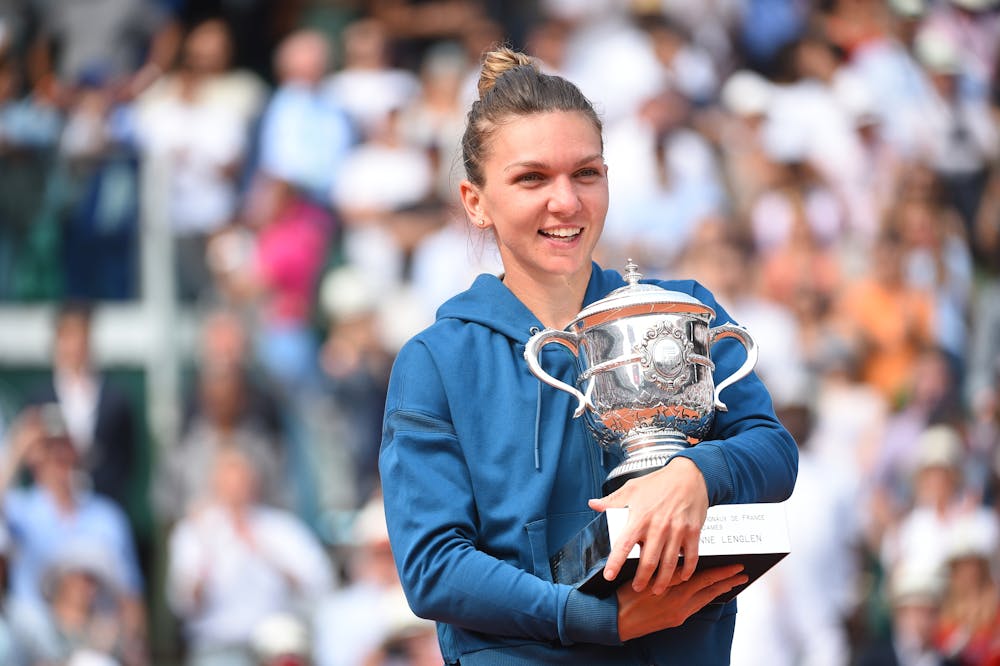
pixel 562 233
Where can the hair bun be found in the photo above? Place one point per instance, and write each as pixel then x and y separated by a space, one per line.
pixel 499 61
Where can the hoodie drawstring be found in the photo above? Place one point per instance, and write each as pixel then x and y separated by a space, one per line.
pixel 538 415
pixel 538 427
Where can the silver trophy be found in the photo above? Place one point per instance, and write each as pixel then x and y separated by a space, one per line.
pixel 645 385
pixel 645 372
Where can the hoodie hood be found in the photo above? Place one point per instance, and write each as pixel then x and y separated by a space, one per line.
pixel 490 303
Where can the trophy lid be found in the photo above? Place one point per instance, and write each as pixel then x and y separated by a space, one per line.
pixel 636 298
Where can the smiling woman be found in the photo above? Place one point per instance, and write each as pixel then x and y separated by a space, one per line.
pixel 485 473
pixel 545 194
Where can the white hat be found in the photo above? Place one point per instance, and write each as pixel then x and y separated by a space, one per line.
pixel 369 525
pixel 281 634
pixel 86 556
pixel 858 100
pixel 974 534
pixel 746 93
pixel 938 446
pixel 908 8
pixel 912 583
pixel 345 293
pixel 937 51
pixel 401 622
pixel 88 657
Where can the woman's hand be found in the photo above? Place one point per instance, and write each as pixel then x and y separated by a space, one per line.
pixel 666 510
pixel 641 613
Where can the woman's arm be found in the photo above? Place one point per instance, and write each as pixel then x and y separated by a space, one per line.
pixel 432 520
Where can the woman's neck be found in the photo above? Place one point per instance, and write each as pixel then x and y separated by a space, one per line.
pixel 555 301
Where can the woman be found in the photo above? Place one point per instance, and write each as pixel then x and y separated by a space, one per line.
pixel 485 473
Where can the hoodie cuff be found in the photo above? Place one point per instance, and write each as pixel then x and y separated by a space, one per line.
pixel 591 620
pixel 711 461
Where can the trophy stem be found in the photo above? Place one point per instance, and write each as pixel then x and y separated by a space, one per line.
pixel 645 454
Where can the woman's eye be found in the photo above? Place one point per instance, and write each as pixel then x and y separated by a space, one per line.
pixel 529 177
pixel 589 172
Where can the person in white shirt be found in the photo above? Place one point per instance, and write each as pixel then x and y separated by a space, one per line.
pixel 234 563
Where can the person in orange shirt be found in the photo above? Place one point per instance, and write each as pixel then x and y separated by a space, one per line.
pixel 889 321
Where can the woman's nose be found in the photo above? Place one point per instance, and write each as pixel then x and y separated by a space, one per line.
pixel 563 198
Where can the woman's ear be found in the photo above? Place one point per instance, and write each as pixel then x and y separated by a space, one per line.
pixel 472 201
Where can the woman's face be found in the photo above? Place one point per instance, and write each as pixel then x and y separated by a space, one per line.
pixel 545 195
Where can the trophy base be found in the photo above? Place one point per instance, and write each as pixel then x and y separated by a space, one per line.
pixel 754 535
pixel 643 459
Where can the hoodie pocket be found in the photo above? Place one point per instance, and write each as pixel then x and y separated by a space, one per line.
pixel 538 542
pixel 547 535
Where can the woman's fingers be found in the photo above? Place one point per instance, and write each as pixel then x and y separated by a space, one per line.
pixel 619 553
pixel 706 595
pixel 652 556
pixel 691 544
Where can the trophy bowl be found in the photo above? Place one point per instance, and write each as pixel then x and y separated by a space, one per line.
pixel 644 381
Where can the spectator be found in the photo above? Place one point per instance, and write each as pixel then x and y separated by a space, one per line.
pixel 99 417
pixel 234 562
pixel 384 178
pixel 356 626
pixel 726 268
pixel 915 599
pixel 737 132
pixel 223 423
pixel 304 133
pixel 110 38
pixel 225 338
pixel 81 618
pixel 356 362
pixel 792 615
pixel 888 319
pixel 667 184
pixel 960 137
pixel 941 503
pixel 435 119
pixel 689 69
pixel 969 630
pixel 937 261
pixel 931 398
pixel 414 26
pixel 52 518
pixel 289 237
pixel 850 418
pixel 195 124
pixel 367 86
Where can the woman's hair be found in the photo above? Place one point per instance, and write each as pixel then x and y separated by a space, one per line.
pixel 511 84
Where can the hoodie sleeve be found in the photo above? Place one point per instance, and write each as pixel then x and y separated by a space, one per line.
pixel 749 456
pixel 432 518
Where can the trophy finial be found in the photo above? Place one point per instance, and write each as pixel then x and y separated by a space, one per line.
pixel 632 274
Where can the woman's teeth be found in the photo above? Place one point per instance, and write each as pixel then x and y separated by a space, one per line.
pixel 562 233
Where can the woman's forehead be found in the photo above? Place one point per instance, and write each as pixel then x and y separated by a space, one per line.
pixel 554 136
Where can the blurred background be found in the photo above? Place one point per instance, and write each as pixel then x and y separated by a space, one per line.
pixel 220 220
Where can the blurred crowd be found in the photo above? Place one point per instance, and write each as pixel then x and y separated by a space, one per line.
pixel 830 169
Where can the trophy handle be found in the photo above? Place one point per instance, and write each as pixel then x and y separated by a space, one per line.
pixel 744 337
pixel 570 342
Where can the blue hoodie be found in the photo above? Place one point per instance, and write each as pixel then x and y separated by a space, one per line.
pixel 485 474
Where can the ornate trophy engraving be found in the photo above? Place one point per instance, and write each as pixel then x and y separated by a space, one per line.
pixel 645 372
pixel 646 390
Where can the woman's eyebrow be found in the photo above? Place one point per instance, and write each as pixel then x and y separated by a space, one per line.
pixel 533 164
